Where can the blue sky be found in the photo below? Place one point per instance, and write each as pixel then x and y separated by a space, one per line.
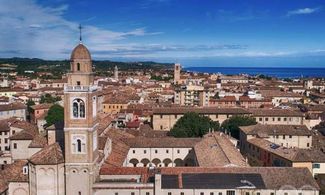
pixel 193 32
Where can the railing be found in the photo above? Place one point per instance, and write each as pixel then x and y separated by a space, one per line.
pixel 83 88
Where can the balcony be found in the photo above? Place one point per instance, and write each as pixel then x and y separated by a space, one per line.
pixel 80 88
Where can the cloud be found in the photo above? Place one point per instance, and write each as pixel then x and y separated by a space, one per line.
pixel 31 30
pixel 303 11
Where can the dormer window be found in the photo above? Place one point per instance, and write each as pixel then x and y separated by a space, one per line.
pixel 78 108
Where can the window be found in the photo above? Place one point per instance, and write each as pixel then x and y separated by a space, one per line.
pixel 145 151
pixel 285 119
pixel 202 193
pixel 258 193
pixel 169 193
pixel 247 193
pixel 211 193
pixel 116 193
pixel 147 193
pixel 290 136
pixel 78 83
pixel 260 119
pixel 25 170
pixel 284 137
pixel 161 127
pixel 15 145
pixel 220 193
pixel 230 192
pixel 266 119
pixel 78 108
pixel 175 116
pixel 167 151
pixel 156 151
pixel 279 119
pixel 217 116
pixel 273 119
pixel 178 151
pixel 161 116
pixel 316 166
pixel 132 193
pixel 78 145
pixel 272 193
pixel 307 144
pixel 6 140
pixel 133 151
pixel 182 193
pixel 78 66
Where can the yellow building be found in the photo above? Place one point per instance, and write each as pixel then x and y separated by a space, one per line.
pixel 114 106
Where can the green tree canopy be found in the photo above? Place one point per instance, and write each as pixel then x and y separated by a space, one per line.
pixel 48 98
pixel 232 124
pixel 29 104
pixel 193 125
pixel 54 115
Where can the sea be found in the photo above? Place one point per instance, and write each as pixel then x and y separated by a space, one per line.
pixel 272 72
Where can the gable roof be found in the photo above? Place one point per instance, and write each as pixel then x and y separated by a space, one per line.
pixel 216 150
pixel 49 155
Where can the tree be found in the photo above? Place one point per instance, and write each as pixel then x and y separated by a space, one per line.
pixel 48 98
pixel 54 115
pixel 29 104
pixel 193 125
pixel 232 124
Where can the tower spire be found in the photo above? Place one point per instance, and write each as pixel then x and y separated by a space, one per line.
pixel 80 35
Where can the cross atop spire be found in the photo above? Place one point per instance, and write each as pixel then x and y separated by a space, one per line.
pixel 80 37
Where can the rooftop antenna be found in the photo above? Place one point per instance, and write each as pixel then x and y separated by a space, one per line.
pixel 80 37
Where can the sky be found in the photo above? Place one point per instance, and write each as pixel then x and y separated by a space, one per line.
pixel 262 33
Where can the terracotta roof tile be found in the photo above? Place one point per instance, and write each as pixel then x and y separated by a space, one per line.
pixel 273 177
pixel 269 130
pixel 12 173
pixel 275 112
pixel 205 110
pixel 216 150
pixel 12 106
pixel 162 142
pixel 49 155
pixel 38 142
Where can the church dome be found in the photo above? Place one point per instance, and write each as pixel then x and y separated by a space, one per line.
pixel 80 52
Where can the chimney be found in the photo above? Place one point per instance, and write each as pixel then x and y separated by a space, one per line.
pixel 51 135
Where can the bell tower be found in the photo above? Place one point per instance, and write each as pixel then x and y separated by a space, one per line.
pixel 80 124
pixel 177 73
